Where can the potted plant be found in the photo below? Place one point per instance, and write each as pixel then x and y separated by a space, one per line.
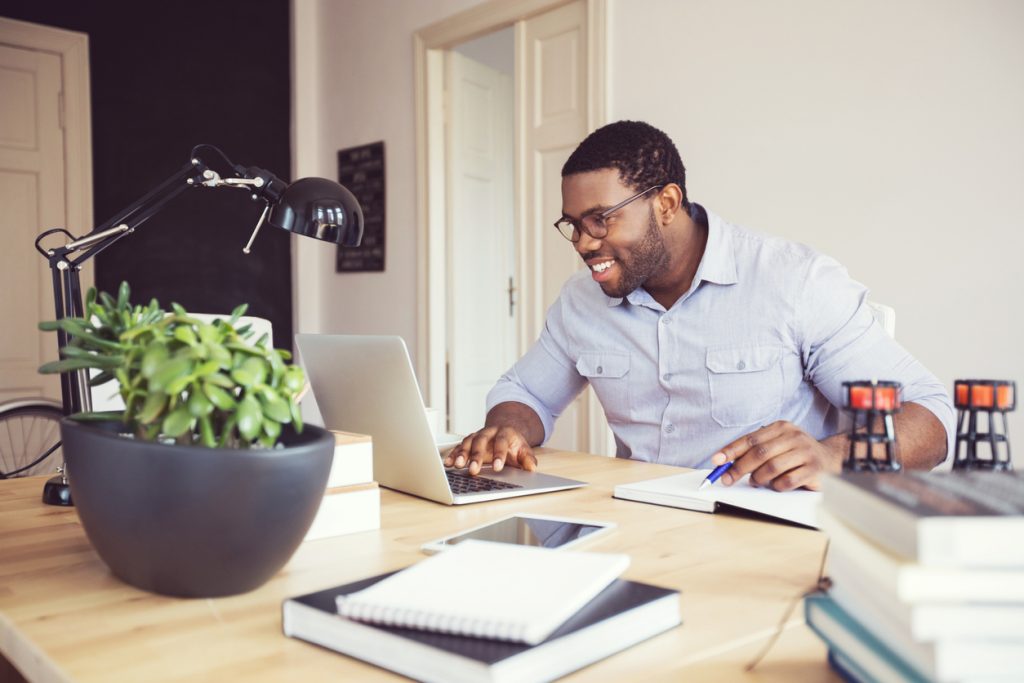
pixel 207 481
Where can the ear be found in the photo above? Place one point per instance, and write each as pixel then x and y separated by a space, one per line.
pixel 668 203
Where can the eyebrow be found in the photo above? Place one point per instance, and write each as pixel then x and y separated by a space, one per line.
pixel 589 212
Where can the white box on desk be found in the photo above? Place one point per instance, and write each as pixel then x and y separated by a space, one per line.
pixel 353 460
pixel 346 510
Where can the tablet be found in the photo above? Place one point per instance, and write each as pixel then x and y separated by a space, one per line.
pixel 524 529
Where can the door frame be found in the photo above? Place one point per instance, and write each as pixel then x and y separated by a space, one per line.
pixel 72 48
pixel 429 45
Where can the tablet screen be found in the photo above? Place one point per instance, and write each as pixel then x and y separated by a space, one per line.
pixel 521 530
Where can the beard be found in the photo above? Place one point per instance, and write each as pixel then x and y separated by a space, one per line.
pixel 642 261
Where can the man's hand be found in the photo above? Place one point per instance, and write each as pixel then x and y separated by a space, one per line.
pixel 781 456
pixel 496 445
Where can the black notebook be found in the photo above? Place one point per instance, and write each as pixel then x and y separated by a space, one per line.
pixel 622 615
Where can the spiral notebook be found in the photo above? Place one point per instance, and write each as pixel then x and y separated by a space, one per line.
pixel 487 590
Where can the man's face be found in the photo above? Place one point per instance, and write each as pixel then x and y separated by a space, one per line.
pixel 634 249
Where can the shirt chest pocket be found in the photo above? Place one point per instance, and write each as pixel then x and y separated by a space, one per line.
pixel 746 384
pixel 608 373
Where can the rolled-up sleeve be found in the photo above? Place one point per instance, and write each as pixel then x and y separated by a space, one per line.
pixel 545 379
pixel 841 341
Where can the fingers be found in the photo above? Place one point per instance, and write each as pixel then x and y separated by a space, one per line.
pixel 499 446
pixel 748 452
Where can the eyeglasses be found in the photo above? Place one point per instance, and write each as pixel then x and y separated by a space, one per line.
pixel 594 224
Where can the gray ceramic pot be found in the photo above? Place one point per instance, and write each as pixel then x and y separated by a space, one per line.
pixel 192 521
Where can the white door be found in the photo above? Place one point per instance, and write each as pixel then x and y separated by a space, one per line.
pixel 32 198
pixel 481 247
pixel 553 106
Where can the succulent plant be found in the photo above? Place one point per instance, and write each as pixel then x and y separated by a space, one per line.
pixel 182 378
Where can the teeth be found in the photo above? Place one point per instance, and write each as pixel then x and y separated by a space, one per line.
pixel 599 267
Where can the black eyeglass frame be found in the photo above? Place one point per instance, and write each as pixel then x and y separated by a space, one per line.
pixel 600 231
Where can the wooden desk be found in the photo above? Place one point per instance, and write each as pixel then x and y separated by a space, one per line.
pixel 64 617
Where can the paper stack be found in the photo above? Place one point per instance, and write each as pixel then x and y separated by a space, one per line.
pixel 927 573
pixel 352 500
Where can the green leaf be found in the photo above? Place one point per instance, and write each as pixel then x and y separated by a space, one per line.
pixel 178 384
pixel 123 293
pixel 199 405
pixel 272 430
pixel 177 423
pixel 250 418
pixel 294 379
pixel 209 334
pixel 99 416
pixel 185 334
pixel 251 372
pixel 153 358
pixel 68 364
pixel 168 371
pixel 207 368
pixel 238 313
pixel 218 396
pixel 101 378
pixel 275 407
pixel 178 309
pixel 221 380
pixel 229 428
pixel 154 405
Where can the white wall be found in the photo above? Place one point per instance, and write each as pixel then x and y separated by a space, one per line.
pixel 354 63
pixel 889 135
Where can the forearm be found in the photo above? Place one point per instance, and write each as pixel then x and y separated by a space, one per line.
pixel 920 439
pixel 518 416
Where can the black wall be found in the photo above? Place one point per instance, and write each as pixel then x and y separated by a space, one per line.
pixel 166 77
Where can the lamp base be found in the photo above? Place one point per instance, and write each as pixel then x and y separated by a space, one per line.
pixel 57 491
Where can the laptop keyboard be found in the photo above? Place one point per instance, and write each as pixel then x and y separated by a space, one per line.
pixel 460 482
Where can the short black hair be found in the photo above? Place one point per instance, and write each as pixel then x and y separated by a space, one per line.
pixel 642 154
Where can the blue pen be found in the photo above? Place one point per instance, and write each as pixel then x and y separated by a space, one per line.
pixel 715 474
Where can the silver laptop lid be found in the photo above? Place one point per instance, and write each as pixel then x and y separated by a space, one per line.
pixel 366 384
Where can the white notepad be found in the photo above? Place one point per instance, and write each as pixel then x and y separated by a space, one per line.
pixel 682 491
pixel 487 590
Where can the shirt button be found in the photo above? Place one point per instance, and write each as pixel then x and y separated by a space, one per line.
pixel 741 365
pixel 667 376
pixel 600 370
pixel 670 428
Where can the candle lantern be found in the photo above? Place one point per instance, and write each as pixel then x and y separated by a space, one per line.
pixel 872 435
pixel 982 400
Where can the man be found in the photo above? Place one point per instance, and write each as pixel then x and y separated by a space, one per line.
pixel 705 343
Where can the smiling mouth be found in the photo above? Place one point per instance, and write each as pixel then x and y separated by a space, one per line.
pixel 603 266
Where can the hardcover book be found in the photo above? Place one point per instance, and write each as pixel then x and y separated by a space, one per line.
pixel 960 519
pixel 622 615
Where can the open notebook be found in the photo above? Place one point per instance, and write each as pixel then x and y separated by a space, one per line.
pixel 681 491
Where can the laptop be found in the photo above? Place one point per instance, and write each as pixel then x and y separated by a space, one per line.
pixel 365 384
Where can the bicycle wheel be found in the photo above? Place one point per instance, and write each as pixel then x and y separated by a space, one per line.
pixel 28 429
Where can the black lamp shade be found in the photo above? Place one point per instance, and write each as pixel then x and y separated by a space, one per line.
pixel 320 208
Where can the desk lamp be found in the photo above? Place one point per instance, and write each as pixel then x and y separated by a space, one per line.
pixel 313 207
pixel 989 397
pixel 872 405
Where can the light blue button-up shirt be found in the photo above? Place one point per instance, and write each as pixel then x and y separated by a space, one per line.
pixel 769 330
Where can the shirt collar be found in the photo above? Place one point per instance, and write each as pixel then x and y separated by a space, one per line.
pixel 717 265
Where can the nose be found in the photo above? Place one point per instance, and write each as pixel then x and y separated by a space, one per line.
pixel 586 244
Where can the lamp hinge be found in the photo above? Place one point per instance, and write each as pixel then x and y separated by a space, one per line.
pixel 60 109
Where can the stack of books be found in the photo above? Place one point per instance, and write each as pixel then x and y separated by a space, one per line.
pixel 927 576
pixel 352 500
pixel 468 614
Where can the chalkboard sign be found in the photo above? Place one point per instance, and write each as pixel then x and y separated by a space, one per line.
pixel 361 170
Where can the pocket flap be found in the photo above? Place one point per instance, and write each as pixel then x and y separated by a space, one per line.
pixel 603 364
pixel 743 358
